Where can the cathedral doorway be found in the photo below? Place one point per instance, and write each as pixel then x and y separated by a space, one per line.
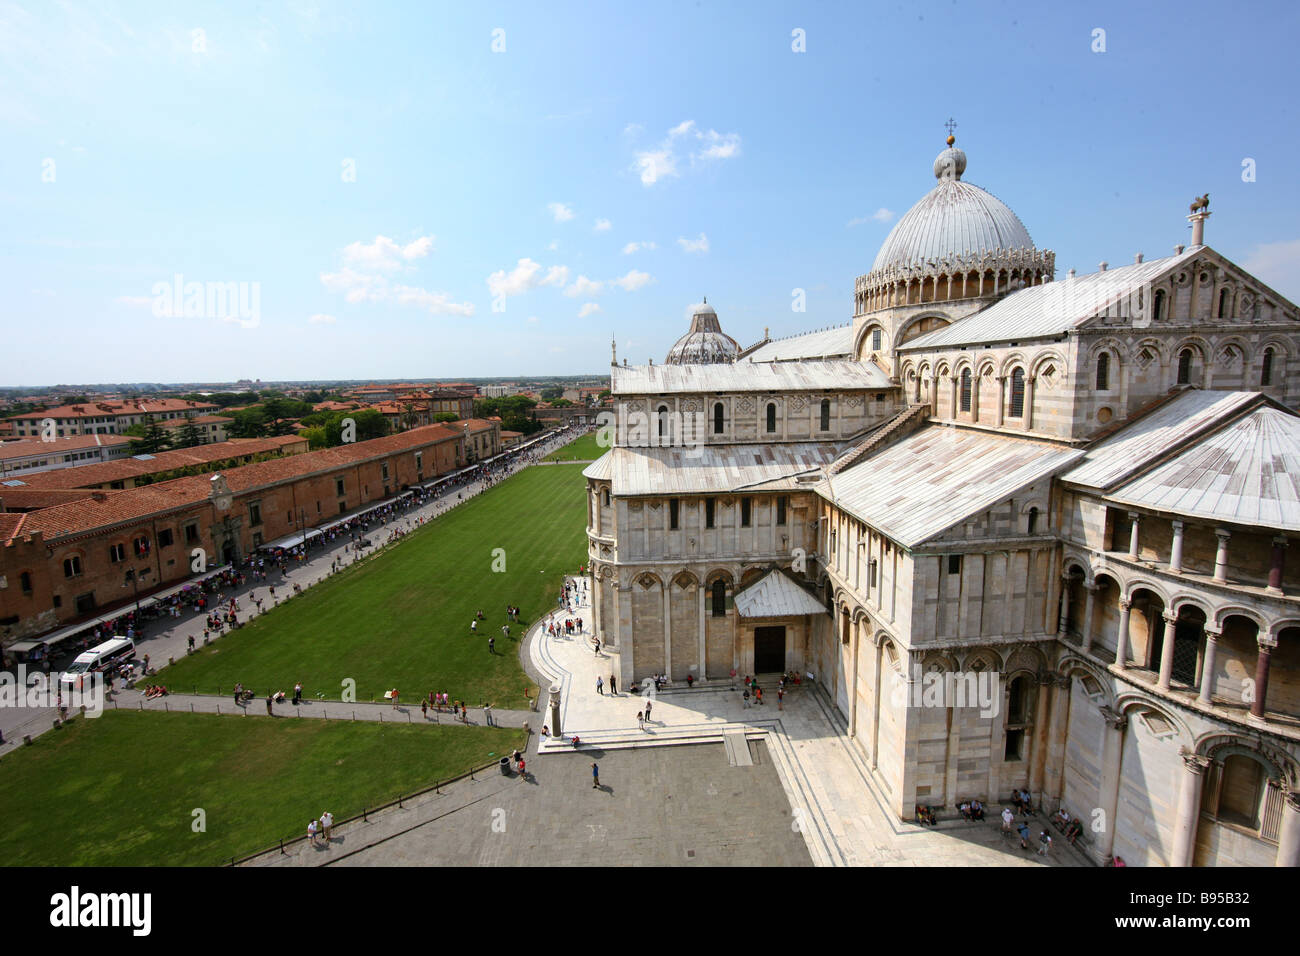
pixel 769 650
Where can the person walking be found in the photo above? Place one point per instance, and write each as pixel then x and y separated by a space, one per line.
pixel 744 700
pixel 393 692
pixel 487 715
pixel 758 694
pixel 780 698
pixel 268 705
pixel 311 831
pixel 297 693
pixel 326 824
pixel 595 777
pixel 1044 842
pixel 1008 818
pixel 597 647
pixel 648 704
pixel 600 686
pixel 1023 830
pixel 640 719
pixel 613 687
pixel 492 645
pixel 424 708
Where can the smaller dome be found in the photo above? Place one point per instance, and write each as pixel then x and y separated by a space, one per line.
pixel 950 164
pixel 705 343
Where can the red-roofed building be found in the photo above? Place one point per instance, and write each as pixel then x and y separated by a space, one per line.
pixel 62 563
pixel 111 418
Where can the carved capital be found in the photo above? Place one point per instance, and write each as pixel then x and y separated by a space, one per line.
pixel 1114 719
pixel 1194 762
pixel 1125 604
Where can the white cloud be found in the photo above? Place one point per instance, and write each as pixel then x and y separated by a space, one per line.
pixel 385 255
pixel 355 286
pixel 632 281
pixel 882 215
pixel 588 309
pixel 632 247
pixel 1277 264
pixel 695 245
pixel 556 276
pixel 718 146
pixel 654 165
pixel 553 245
pixel 560 211
pixel 584 286
pixel 439 303
pixel 322 319
pixel 516 282
pixel 602 225
pixel 633 129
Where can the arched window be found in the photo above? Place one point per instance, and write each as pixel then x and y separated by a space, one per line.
pixel 771 416
pixel 826 415
pixel 1241 792
pixel 1185 367
pixel 875 340
pixel 1017 394
pixel 1158 309
pixel 1223 303
pixel 1103 371
pixel 965 390
pixel 718 422
pixel 719 598
pixel 663 419
pixel 1266 372
pixel 1033 520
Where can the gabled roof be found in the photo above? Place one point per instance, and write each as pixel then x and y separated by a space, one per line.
pixel 821 344
pixel 1138 444
pixel 745 376
pixel 775 595
pixel 938 477
pixel 709 469
pixel 1245 473
pixel 1050 309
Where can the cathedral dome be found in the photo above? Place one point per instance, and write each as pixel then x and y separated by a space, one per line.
pixel 955 219
pixel 958 242
pixel 705 343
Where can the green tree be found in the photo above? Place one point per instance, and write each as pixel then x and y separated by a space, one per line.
pixel 248 423
pixel 188 436
pixel 446 417
pixel 153 438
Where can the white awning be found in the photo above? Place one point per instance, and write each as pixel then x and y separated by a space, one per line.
pixel 776 595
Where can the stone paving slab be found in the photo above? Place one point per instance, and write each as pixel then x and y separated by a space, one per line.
pixel 682 806
pixel 828 784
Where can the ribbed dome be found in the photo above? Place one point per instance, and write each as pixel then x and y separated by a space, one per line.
pixel 705 343
pixel 955 220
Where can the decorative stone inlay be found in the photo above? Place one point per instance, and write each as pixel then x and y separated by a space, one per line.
pixel 852 401
pixel 745 405
pixel 798 403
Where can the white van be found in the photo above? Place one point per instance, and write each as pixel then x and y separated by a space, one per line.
pixel 111 653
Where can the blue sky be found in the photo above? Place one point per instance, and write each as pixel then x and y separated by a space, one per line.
pixel 608 167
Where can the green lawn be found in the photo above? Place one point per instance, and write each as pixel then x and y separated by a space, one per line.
pixel 120 790
pixel 402 619
pixel 583 448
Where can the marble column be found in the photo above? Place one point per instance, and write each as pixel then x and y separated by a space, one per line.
pixel 1277 565
pixel 1061 687
pixel 1029 403
pixel 1288 841
pixel 1002 399
pixel 1189 808
pixel 1089 604
pixel 853 687
pixel 1136 523
pixel 1266 645
pixel 668 629
pixel 1063 621
pixel 1121 641
pixel 1167 650
pixel 703 675
pixel 1112 755
pixel 1207 666
pixel 1221 555
pixel 1042 725
pixel 1176 552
